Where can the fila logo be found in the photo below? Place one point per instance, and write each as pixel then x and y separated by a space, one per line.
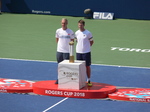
pixel 103 15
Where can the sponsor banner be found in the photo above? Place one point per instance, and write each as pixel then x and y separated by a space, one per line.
pixel 54 7
pixel 40 12
pixel 103 15
pixel 65 93
pixel 15 86
pixel 132 94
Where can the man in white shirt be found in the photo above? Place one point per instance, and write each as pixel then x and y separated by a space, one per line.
pixel 83 48
pixel 63 36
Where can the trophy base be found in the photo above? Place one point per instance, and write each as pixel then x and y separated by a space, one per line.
pixel 71 59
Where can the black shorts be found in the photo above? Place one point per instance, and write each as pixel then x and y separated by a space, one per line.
pixel 62 56
pixel 84 57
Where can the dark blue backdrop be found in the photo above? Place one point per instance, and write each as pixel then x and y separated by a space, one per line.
pixel 130 9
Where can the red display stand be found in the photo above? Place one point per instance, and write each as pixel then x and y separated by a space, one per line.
pixel 98 90
pixel 132 94
pixel 15 86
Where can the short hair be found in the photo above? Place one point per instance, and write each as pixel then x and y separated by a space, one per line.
pixel 81 21
pixel 64 19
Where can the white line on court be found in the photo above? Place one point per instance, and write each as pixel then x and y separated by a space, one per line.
pixel 55 104
pixel 27 60
pixel 56 62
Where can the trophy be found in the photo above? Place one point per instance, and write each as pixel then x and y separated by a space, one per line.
pixel 71 46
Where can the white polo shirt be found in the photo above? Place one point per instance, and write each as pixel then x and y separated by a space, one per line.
pixel 83 41
pixel 64 38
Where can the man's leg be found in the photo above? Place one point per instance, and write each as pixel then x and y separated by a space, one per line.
pixel 87 58
pixel 88 71
pixel 66 56
pixel 59 57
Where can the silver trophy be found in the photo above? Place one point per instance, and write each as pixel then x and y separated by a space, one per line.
pixel 71 46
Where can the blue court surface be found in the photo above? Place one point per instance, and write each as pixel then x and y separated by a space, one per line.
pixel 42 70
